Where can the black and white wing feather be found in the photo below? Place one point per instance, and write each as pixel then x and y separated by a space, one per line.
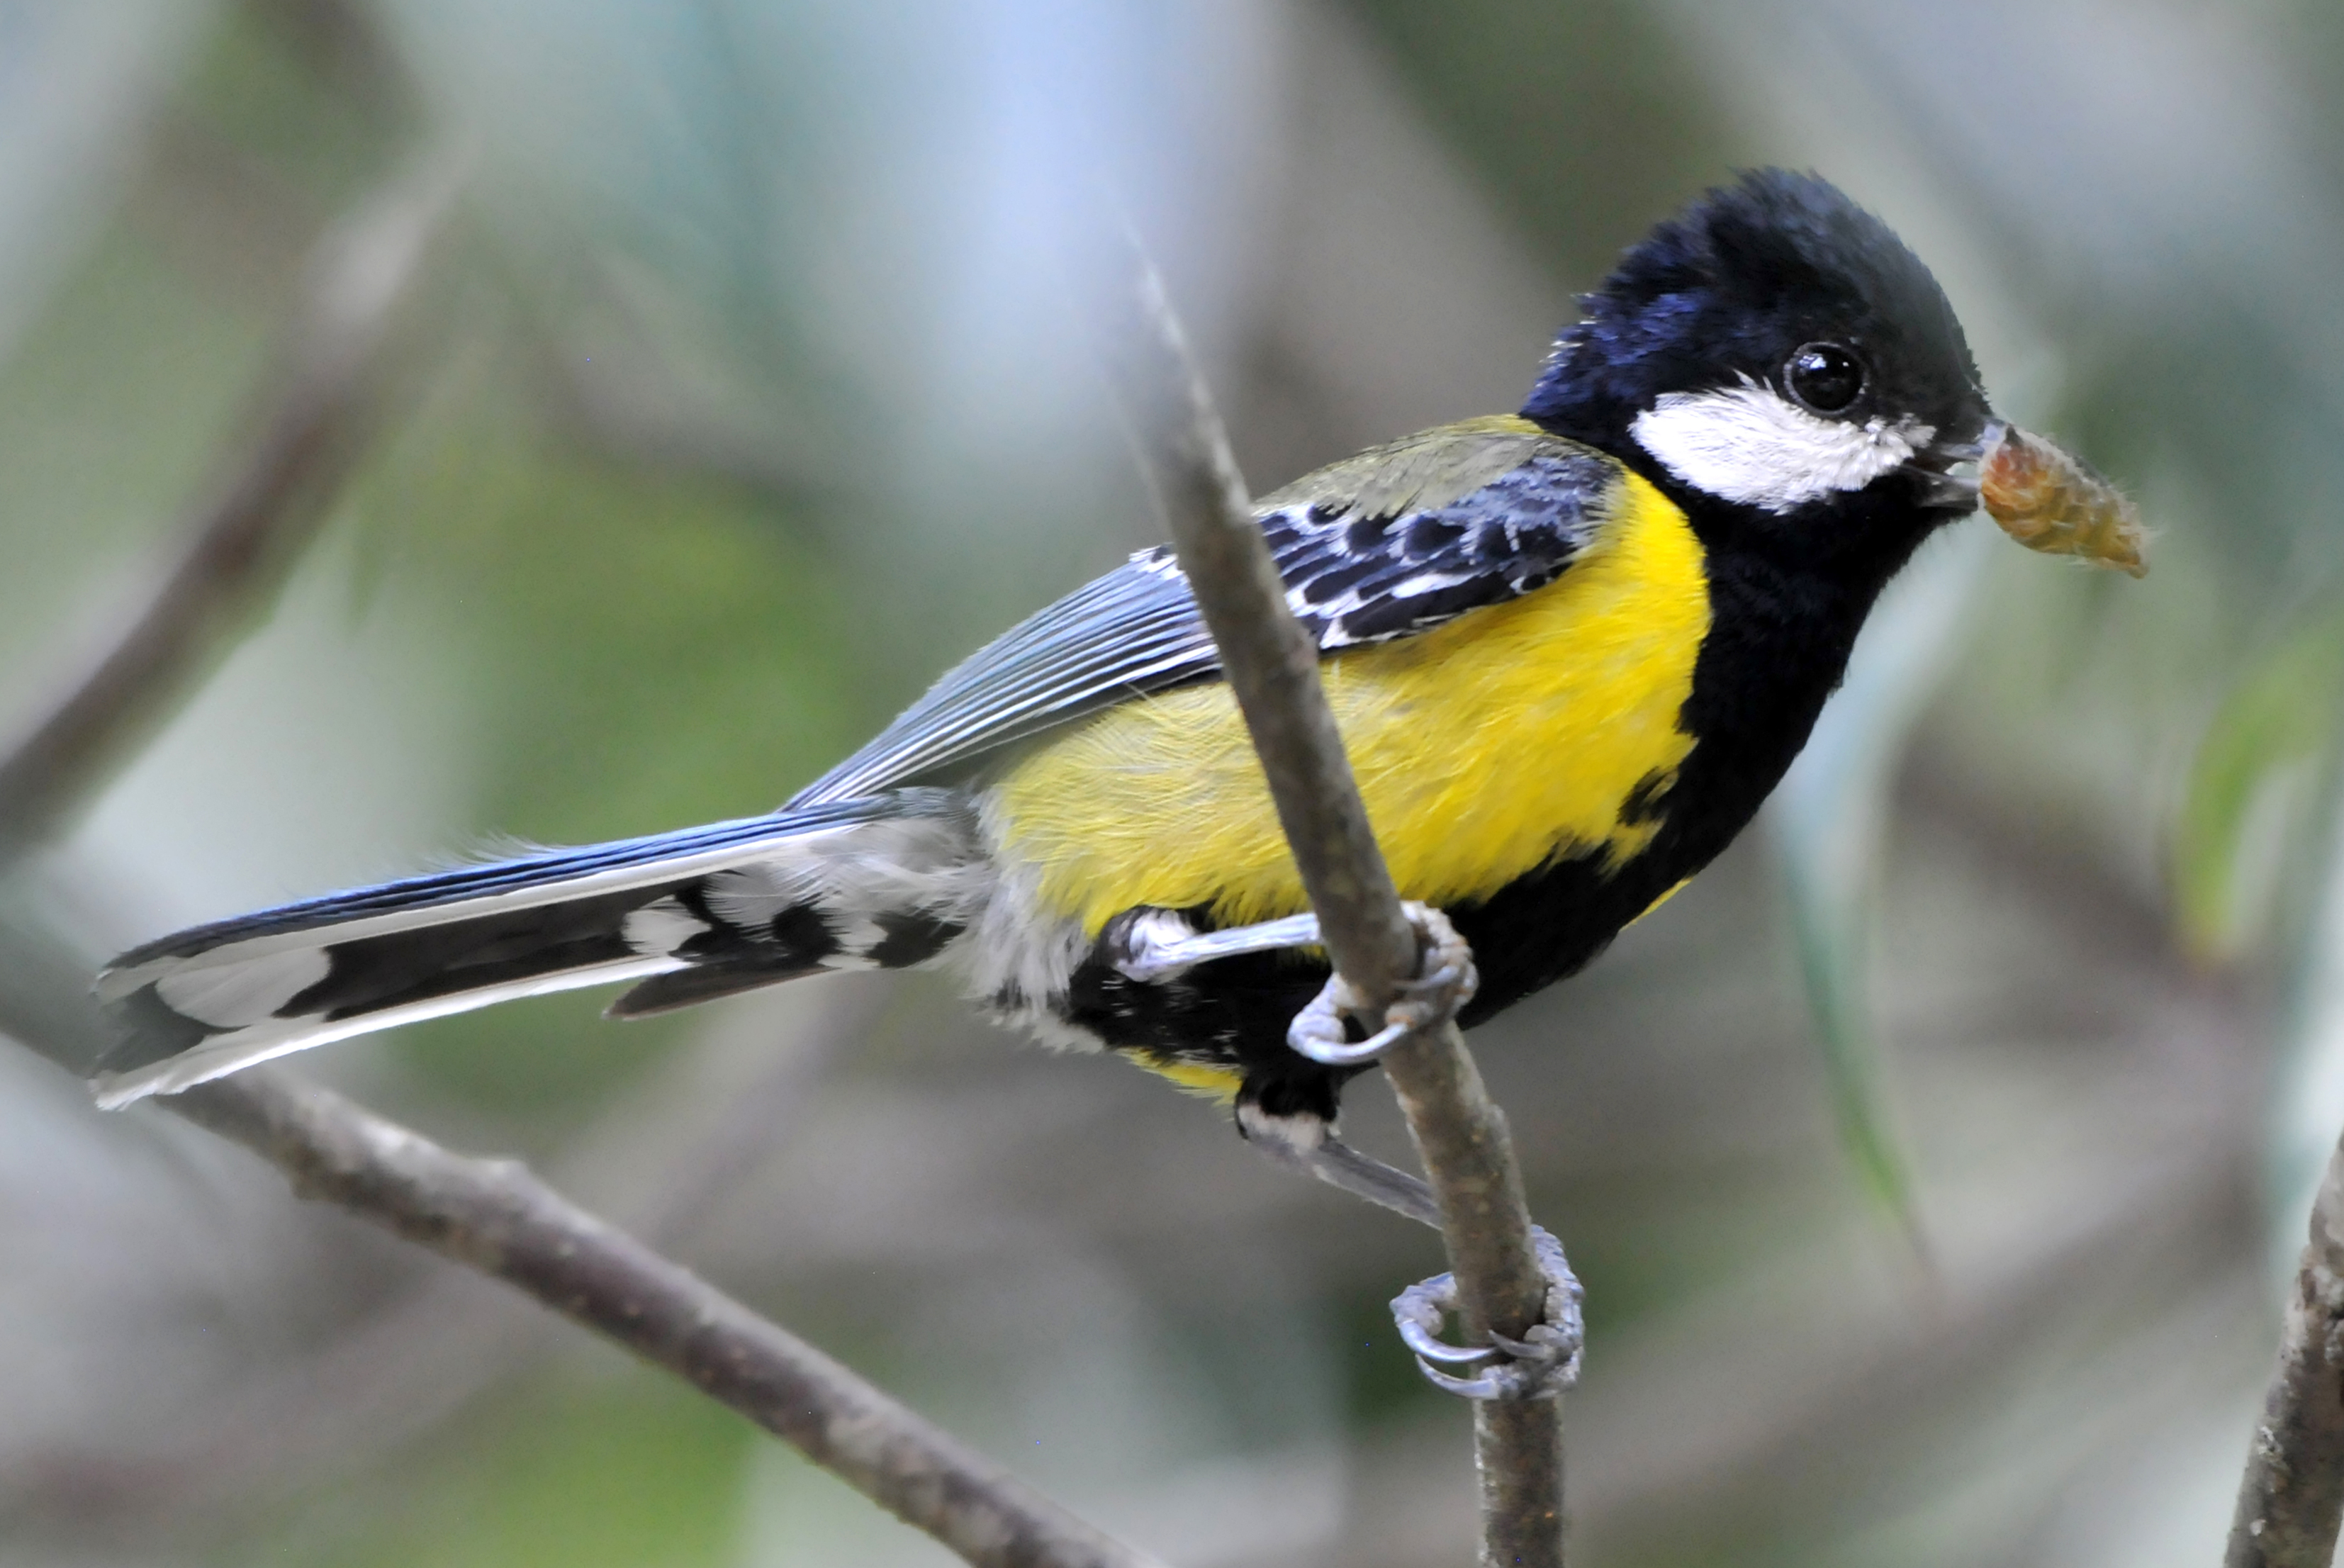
pixel 1394 541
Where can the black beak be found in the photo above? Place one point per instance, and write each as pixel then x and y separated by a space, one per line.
pixel 1949 479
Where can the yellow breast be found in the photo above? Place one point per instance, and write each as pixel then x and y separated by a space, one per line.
pixel 1484 748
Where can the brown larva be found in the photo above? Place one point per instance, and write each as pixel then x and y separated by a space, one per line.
pixel 2050 501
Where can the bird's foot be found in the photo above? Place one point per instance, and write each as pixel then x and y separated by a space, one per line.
pixel 1445 981
pixel 1540 1365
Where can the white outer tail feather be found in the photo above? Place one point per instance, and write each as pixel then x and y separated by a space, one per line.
pixel 251 1046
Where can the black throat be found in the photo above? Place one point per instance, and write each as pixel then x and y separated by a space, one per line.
pixel 1781 631
pixel 1784 619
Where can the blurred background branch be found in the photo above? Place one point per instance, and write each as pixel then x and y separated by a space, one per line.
pixel 311 420
pixel 657 1161
pixel 496 1217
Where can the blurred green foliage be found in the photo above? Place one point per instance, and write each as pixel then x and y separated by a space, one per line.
pixel 294 89
pixel 111 411
pixel 2257 788
pixel 631 1471
pixel 640 650
pixel 647 649
pixel 1590 118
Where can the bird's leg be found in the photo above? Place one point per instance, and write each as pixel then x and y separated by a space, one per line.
pixel 1307 1144
pixel 1156 944
pixel 1545 1360
pixel 1153 944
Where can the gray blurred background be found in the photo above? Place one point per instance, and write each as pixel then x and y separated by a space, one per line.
pixel 1930 1163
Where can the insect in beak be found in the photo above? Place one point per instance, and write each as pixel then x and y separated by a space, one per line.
pixel 2049 500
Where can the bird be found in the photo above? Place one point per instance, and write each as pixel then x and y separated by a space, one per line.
pixel 1571 650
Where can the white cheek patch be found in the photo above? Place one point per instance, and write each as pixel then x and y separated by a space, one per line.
pixel 1752 446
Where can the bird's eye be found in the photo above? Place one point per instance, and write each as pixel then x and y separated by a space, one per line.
pixel 1824 376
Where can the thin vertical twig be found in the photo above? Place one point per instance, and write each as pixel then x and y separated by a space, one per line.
pixel 2292 1494
pixel 1272 667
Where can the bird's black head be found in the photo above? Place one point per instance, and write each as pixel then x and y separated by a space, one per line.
pixel 1778 361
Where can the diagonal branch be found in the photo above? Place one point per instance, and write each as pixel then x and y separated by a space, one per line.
pixel 310 421
pixel 665 1155
pixel 2292 1494
pixel 496 1217
pixel 1272 666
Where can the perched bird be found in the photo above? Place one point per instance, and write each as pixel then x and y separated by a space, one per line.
pixel 1571 651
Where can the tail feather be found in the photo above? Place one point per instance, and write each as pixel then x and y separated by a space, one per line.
pixel 872 882
pixel 700 983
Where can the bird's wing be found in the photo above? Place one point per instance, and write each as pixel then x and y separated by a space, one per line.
pixel 1391 542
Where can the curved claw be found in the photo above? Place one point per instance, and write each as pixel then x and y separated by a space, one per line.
pixel 1418 1313
pixel 1542 1363
pixel 1430 1346
pixel 1490 1385
pixel 1542 1344
pixel 1319 1033
pixel 1318 1030
pixel 1430 1349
